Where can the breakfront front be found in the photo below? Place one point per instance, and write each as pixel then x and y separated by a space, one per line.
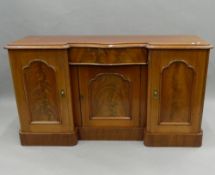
pixel 71 88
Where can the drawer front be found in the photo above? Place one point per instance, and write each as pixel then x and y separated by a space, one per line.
pixel 108 55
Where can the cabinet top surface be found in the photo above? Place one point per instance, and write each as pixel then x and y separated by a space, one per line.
pixel 148 41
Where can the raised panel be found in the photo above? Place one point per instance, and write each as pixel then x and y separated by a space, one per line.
pixel 39 77
pixel 41 91
pixel 109 95
pixel 176 87
pixel 178 76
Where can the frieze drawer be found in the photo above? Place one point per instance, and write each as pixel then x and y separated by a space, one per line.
pixel 108 55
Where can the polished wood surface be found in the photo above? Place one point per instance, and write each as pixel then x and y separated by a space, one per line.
pixel 109 95
pixel 48 139
pixel 176 108
pixel 176 102
pixel 148 41
pixel 110 133
pixel 147 88
pixel 40 105
pixel 173 139
pixel 104 56
pixel 41 91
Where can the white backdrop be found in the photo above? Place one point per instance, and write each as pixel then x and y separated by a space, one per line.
pixel 104 17
pixel 19 18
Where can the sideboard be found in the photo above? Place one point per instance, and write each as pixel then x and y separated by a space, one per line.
pixel 148 88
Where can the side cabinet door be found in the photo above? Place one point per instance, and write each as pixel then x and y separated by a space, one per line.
pixel 42 90
pixel 176 90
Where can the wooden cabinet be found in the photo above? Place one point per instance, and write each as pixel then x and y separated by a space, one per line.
pixel 147 88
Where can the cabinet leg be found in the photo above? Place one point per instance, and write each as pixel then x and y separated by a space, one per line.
pixel 173 139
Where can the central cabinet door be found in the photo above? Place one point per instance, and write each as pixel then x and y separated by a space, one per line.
pixel 110 95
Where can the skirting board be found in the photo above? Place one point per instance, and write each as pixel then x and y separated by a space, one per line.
pixel 48 139
pixel 173 139
pixel 101 133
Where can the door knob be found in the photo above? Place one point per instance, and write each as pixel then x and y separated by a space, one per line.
pixel 155 94
pixel 62 93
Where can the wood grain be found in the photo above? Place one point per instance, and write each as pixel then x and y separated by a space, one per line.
pixel 41 91
pixel 58 60
pixel 109 56
pixel 147 88
pixel 48 139
pixel 75 95
pixel 172 139
pixel 108 133
pixel 114 41
pixel 112 98
pixel 109 96
pixel 176 102
pixel 143 95
pixel 178 107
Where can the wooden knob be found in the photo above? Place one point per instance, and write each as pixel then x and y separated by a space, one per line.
pixel 62 93
pixel 155 94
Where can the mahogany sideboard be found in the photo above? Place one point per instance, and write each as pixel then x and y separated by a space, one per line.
pixel 149 88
